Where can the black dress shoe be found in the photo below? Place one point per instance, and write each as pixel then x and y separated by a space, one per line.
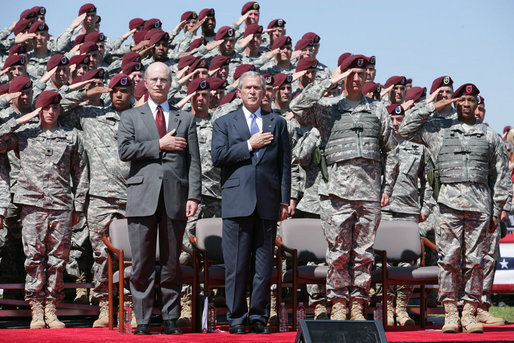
pixel 142 329
pixel 259 327
pixel 170 328
pixel 237 329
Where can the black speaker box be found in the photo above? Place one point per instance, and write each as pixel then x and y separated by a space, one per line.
pixel 340 331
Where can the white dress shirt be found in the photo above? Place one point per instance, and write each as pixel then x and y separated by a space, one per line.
pixel 248 117
pixel 165 110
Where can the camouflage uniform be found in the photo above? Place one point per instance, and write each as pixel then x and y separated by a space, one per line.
pixel 36 66
pixel 350 199
pixel 466 201
pixel 53 183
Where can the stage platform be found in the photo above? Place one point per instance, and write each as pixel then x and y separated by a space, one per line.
pixel 89 335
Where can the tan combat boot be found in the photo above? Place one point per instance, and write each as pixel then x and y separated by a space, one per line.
pixel 50 318
pixel 486 318
pixel 339 310
pixel 451 317
pixel 38 320
pixel 320 311
pixel 402 317
pixel 357 309
pixel 103 317
pixel 390 311
pixel 81 296
pixel 468 320
pixel 186 313
pixel 273 315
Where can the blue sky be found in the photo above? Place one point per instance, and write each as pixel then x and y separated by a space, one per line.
pixel 472 41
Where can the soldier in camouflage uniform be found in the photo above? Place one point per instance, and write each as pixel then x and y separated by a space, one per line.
pixel 471 169
pixel 355 133
pixel 108 188
pixel 52 190
pixel 407 203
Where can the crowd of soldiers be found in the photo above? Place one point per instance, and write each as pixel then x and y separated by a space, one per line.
pixel 356 160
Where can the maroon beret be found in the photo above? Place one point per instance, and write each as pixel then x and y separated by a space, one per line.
pixel 39 10
pixel 206 12
pixel 281 78
pixel 4 88
pixel 252 5
pixel 47 98
pixel 507 128
pixel 15 60
pixel 159 36
pixel 120 80
pixel 79 59
pixel 243 68
pixel 395 110
pixel 185 61
pixel 131 67
pixel 373 61
pixel 130 57
pixel 409 81
pixel 38 26
pixel 140 90
pixel 219 61
pixel 268 78
pixel 153 23
pixel 312 37
pixel 371 87
pixel 199 63
pixel 151 32
pixel 196 43
pixel 342 58
pixel 76 80
pixel 87 47
pixel 216 83
pixel 19 83
pixel 252 29
pixel 17 49
pixel 139 36
pixel 95 37
pixel 354 61
pixel 440 82
pixel 395 80
pixel 135 23
pixel 197 84
pixel 188 15
pixel 228 98
pixel 79 39
pixel 415 93
pixel 276 23
pixel 466 89
pixel 56 61
pixel 22 25
pixel 224 31
pixel 97 73
pixel 481 99
pixel 281 41
pixel 28 14
pixel 87 8
pixel 302 44
pixel 306 63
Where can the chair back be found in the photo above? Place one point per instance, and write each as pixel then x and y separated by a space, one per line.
pixel 208 235
pixel 306 236
pixel 118 231
pixel 400 239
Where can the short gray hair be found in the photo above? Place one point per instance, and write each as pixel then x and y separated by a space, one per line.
pixel 251 74
pixel 155 64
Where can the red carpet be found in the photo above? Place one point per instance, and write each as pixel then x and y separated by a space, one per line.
pixel 83 335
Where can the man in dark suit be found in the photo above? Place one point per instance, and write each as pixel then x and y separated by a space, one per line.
pixel 164 187
pixel 252 148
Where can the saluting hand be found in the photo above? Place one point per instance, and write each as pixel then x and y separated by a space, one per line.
pixel 170 142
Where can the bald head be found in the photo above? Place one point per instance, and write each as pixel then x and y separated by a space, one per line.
pixel 157 80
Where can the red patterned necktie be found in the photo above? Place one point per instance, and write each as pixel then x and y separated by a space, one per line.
pixel 159 122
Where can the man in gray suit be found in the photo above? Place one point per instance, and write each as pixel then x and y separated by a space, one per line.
pixel 164 188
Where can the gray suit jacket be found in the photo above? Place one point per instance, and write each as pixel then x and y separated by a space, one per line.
pixel 177 172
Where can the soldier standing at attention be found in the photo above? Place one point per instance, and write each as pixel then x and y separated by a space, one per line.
pixel 356 133
pixel 473 192
pixel 51 190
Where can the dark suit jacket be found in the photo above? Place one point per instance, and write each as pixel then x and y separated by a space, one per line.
pixel 247 182
pixel 177 172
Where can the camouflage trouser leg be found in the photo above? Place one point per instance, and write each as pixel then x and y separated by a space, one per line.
pixel 46 243
pixel 461 245
pixel 11 247
pixel 430 229
pixel 100 213
pixel 349 228
pixel 80 256
pixel 491 254
pixel 317 292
